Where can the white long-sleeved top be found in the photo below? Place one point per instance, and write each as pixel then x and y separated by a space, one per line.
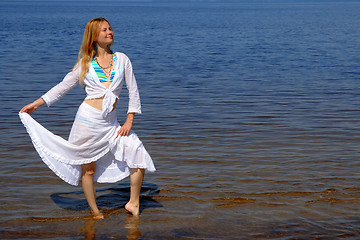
pixel 95 89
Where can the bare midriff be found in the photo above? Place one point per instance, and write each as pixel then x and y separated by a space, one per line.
pixel 97 102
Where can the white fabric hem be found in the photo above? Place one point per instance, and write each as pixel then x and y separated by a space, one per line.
pixel 114 159
pixel 36 141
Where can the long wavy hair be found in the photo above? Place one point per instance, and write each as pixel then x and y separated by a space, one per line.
pixel 88 46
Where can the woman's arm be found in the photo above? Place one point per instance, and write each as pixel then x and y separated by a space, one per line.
pixel 55 93
pixel 30 108
pixel 134 98
pixel 125 129
pixel 131 85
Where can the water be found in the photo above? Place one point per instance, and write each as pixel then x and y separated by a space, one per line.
pixel 250 112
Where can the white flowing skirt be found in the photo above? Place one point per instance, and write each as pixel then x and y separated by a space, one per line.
pixel 92 138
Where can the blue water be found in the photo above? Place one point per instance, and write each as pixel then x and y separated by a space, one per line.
pixel 250 113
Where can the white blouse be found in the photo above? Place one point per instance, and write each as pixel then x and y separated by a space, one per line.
pixel 95 89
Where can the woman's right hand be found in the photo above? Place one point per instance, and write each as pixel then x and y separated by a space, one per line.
pixel 30 108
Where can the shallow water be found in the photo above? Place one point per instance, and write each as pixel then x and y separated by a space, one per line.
pixel 250 113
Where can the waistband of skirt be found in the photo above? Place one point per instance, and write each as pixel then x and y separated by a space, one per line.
pixel 90 112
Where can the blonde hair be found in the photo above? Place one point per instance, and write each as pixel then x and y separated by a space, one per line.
pixel 88 46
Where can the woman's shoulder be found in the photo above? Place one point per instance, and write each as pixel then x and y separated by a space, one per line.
pixel 122 56
pixel 77 68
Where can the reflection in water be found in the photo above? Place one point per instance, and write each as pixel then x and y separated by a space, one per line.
pixel 89 230
pixel 132 224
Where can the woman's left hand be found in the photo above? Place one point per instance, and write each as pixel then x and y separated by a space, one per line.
pixel 125 129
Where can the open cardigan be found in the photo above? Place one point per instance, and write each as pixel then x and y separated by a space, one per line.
pixel 94 89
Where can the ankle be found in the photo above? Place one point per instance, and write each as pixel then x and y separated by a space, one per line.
pixel 133 208
pixel 133 203
pixel 95 211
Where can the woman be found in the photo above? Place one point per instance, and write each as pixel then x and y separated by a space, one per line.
pixel 98 148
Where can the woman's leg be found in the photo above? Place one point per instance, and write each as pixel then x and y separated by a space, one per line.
pixel 88 171
pixel 136 179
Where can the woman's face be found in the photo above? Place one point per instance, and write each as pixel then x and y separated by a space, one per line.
pixel 106 34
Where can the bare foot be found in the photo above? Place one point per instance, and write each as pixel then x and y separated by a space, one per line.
pixel 133 209
pixel 97 216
